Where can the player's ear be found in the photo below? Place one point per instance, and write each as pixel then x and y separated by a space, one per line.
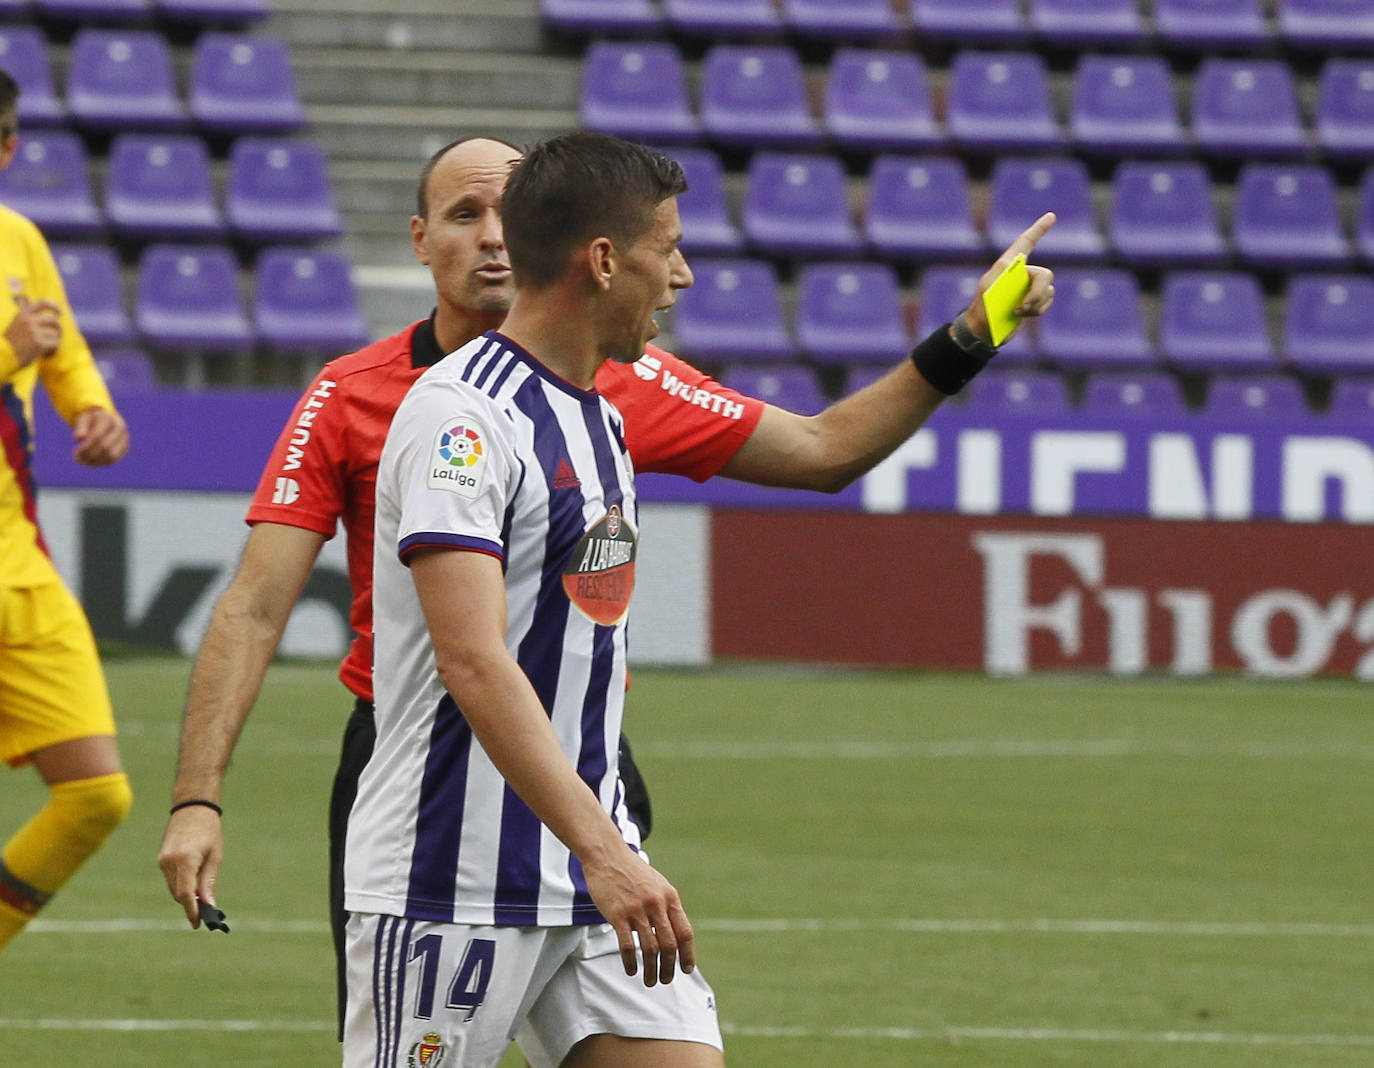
pixel 601 262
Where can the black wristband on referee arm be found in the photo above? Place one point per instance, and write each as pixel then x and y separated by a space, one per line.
pixel 949 364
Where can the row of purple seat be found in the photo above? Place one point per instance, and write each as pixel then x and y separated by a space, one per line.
pixel 1109 394
pixel 123 79
pixel 1284 216
pixel 853 313
pixel 1178 24
pixel 189 299
pixel 218 12
pixel 996 102
pixel 160 187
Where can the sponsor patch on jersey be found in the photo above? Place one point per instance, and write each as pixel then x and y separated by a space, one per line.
pixel 286 490
pixel 647 367
pixel 459 458
pixel 428 1052
pixel 600 575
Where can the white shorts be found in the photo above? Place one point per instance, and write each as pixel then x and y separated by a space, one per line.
pixel 425 995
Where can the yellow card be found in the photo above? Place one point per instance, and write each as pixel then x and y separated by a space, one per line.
pixel 1006 292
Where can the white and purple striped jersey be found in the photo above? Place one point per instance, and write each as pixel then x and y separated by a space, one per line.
pixel 491 452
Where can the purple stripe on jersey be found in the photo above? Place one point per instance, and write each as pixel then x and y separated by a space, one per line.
pixel 476 357
pixel 591 761
pixel 377 1026
pixel 506 369
pixel 434 860
pixel 424 538
pixel 502 359
pixel 540 655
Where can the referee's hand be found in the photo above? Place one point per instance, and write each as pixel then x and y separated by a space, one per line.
pixel 192 850
pixel 1038 298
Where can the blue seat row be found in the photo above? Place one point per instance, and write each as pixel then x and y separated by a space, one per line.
pixel 159 186
pixel 217 12
pixel 853 313
pixel 1178 24
pixel 1285 216
pixel 121 79
pixel 997 102
pixel 189 299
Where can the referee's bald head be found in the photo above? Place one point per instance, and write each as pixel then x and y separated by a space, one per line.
pixel 422 192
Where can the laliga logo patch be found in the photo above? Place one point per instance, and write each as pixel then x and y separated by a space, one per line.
pixel 600 574
pixel 459 458
pixel 429 1051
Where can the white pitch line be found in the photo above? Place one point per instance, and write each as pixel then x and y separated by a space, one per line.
pixel 884 1034
pixel 802 925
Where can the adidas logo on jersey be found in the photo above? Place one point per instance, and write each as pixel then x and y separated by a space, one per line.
pixel 564 477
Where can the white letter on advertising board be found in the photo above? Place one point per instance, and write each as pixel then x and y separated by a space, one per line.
pixel 980 472
pixel 1317 629
pixel 1008 615
pixel 884 488
pixel 1178 489
pixel 1309 462
pixel 1057 459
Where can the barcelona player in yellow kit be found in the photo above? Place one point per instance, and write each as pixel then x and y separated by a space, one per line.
pixel 54 708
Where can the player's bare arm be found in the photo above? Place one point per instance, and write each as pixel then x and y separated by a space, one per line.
pixel 246 626
pixel 463 598
pixel 827 452
pixel 35 330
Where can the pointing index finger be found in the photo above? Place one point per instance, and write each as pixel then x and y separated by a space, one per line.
pixel 1023 245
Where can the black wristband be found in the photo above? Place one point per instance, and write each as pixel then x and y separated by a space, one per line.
pixel 945 364
pixel 196 801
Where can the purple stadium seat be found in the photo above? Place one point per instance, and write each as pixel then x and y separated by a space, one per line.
pixel 1364 216
pixel 90 275
pixel 24 55
pixel 218 12
pixel 122 79
pixel 637 90
pixel 1087 22
pixel 1096 321
pixel 795 205
pixel 1210 24
pixel 919 208
pixel 125 369
pixel 1327 23
pixel 1287 216
pixel 159 187
pixel 1000 101
pixel 1024 189
pixel 49 182
pixel 879 100
pixel 15 9
pixel 785 386
pixel 732 312
pixel 756 96
pixel 243 84
pixel 1143 393
pixel 969 21
pixel 844 19
pixel 722 18
pixel 1214 321
pixel 188 298
pixel 1352 398
pixel 1163 213
pixel 278 190
pixel 96 10
pixel 850 313
pixel 1252 396
pixel 1329 323
pixel 1245 107
pixel 603 16
pixel 705 213
pixel 1345 108
pixel 305 302
pixel 945 292
pixel 1025 392
pixel 1124 105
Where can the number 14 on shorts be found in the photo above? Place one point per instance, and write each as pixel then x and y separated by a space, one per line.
pixel 468 987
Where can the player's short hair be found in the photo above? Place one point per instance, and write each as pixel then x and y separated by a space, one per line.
pixel 571 189
pixel 9 103
pixel 422 193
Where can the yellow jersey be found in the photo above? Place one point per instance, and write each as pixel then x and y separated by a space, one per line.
pixel 69 375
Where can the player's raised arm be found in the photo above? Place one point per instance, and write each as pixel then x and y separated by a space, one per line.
pixel 827 452
pixel 244 632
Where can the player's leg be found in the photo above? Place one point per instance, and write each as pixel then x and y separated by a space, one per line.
pixel 360 737
pixel 592 1013
pixel 430 993
pixel 55 712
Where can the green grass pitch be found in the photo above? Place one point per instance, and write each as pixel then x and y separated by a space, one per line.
pixel 883 869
